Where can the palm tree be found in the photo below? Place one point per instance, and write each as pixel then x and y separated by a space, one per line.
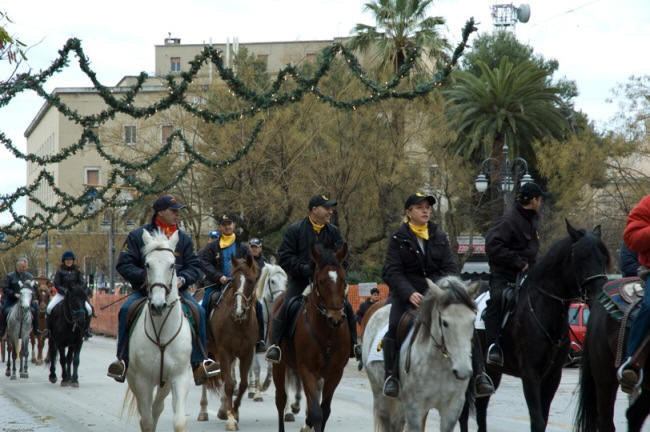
pixel 400 24
pixel 509 102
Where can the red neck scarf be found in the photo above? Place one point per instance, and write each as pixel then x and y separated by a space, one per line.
pixel 168 230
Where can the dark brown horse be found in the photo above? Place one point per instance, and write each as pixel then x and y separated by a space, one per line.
pixel 366 317
pixel 323 337
pixel 234 326
pixel 598 382
pixel 44 296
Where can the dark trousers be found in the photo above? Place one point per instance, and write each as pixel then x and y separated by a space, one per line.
pixel 397 309
pixel 260 321
pixel 123 339
pixel 494 310
pixel 641 324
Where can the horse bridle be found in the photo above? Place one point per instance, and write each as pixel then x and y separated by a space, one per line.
pixel 322 307
pixel 442 346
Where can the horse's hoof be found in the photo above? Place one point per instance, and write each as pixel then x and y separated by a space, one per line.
pixel 65 383
pixel 221 415
pixel 258 398
pixel 306 428
pixel 202 417
pixel 52 378
pixel 74 384
pixel 34 361
pixel 7 373
pixel 251 395
pixel 295 408
pixel 13 377
pixel 24 375
pixel 232 426
pixel 289 417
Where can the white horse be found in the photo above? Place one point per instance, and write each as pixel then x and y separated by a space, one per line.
pixel 440 360
pixel 19 326
pixel 161 341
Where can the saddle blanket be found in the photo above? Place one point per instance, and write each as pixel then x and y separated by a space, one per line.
pixel 481 305
pixel 376 351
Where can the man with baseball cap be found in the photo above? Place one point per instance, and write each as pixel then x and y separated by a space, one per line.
pixel 131 265
pixel 511 246
pixel 296 261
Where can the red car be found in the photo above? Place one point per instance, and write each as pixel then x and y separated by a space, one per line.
pixel 578 317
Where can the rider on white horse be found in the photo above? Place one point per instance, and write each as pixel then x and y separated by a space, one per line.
pixel 11 292
pixel 131 265
pixel 67 276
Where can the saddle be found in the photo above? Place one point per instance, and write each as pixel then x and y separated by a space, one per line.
pixel 622 298
pixel 189 309
pixel 404 326
pixel 294 307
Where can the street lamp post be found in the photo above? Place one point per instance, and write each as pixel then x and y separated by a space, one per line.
pixel 109 224
pixel 508 175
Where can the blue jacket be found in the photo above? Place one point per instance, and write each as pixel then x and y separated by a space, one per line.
pixel 131 261
pixel 629 262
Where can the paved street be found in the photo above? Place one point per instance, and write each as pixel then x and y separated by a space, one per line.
pixel 37 405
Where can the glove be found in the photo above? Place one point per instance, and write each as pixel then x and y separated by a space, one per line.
pixel 307 271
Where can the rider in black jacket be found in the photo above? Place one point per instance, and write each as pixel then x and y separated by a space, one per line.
pixel 11 292
pixel 416 251
pixel 295 259
pixel 511 246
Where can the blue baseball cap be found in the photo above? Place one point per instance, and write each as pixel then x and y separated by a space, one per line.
pixel 165 202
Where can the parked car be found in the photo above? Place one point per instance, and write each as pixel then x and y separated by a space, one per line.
pixel 578 317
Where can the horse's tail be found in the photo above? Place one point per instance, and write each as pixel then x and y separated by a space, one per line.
pixel 128 404
pixel 214 384
pixel 586 419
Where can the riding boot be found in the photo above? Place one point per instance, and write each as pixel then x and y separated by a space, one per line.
pixel 273 353
pixel 117 369
pixel 352 325
pixel 492 319
pixel 630 374
pixel 391 367
pixel 483 386
pixel 204 370
pixel 260 347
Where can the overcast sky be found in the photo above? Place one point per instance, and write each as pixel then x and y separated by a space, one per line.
pixel 598 43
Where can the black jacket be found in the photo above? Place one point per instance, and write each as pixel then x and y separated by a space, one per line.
pixel 295 250
pixel 211 258
pixel 67 277
pixel 363 309
pixel 406 267
pixel 11 286
pixel 512 242
pixel 131 261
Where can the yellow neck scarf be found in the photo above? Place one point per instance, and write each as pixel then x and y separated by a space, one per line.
pixel 420 231
pixel 316 226
pixel 226 240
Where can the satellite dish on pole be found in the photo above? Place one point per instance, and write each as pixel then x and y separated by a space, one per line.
pixel 523 13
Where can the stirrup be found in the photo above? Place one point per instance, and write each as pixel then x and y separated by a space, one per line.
pixel 627 382
pixel 496 350
pixel 488 382
pixel 210 367
pixel 115 374
pixel 391 378
pixel 268 351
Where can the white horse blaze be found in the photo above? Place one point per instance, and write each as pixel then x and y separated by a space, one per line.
pixel 333 275
pixel 240 289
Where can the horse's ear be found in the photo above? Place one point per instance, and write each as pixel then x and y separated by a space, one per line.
pixel 473 288
pixel 597 231
pixel 173 240
pixel 146 237
pixel 342 253
pixel 315 254
pixel 435 289
pixel 233 260
pixel 249 260
pixel 574 233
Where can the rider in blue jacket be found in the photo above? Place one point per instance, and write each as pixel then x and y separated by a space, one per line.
pixel 131 266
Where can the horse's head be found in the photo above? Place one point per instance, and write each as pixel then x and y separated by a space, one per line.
pixel 272 282
pixel 75 299
pixel 244 275
pixel 447 314
pixel 26 294
pixel 159 263
pixel 329 283
pixel 589 260
pixel 43 295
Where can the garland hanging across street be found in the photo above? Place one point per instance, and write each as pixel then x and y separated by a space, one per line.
pixel 70 210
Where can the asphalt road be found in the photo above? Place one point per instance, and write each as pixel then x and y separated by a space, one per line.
pixel 36 405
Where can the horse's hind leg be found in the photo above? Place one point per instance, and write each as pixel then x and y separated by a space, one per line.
pixel 203 411
pixel 638 411
pixel 295 406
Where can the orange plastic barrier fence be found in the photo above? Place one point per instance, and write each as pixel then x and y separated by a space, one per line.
pixel 106 321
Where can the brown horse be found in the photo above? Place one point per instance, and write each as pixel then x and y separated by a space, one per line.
pixel 44 296
pixel 366 317
pixel 323 337
pixel 234 326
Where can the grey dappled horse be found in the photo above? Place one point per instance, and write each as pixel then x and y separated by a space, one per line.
pixel 19 326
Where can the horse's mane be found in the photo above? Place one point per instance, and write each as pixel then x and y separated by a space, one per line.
pixel 328 256
pixel 158 240
pixel 455 293
pixel 259 286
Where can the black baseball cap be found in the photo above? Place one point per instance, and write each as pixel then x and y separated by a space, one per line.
pixel 374 290
pixel 530 190
pixel 255 242
pixel 416 198
pixel 165 202
pixel 225 218
pixel 321 200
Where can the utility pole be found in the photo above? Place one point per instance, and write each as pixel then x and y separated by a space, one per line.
pixel 111 250
pixel 47 253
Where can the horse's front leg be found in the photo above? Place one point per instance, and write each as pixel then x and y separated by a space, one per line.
pixel 24 360
pixel 51 349
pixel 314 412
pixel 244 366
pixel 229 388
pixel 414 415
pixel 63 361
pixel 279 374
pixel 76 354
pixel 449 415
pixel 41 344
pixel 180 389
pixel 533 394
pixel 203 410
pixel 32 339
pixel 328 392
pixel 549 388
pixel 143 392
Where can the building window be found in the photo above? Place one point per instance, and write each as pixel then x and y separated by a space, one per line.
pixel 175 64
pixel 91 176
pixel 264 58
pixel 166 131
pixel 129 134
